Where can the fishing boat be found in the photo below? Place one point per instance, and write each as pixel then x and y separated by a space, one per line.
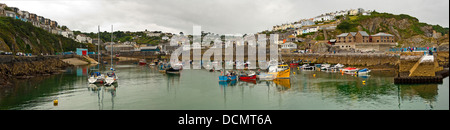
pixel 251 75
pixel 142 62
pixel 350 70
pixel 363 71
pixel 284 74
pixel 282 71
pixel 227 76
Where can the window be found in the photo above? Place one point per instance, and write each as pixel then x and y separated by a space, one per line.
pixel 378 40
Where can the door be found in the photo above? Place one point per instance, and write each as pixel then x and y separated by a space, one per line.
pixel 83 53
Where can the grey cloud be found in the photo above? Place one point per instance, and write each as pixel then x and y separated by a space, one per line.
pixel 218 16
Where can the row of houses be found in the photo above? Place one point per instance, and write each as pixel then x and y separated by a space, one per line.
pixel 321 18
pixel 37 21
pixel 361 40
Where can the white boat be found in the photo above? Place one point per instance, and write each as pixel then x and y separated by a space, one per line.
pixel 308 67
pixel 96 77
pixel 339 66
pixel 266 76
pixel 111 78
pixel 325 66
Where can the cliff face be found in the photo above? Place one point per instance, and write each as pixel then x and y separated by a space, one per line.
pixel 22 67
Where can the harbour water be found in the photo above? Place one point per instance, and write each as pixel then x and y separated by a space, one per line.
pixel 144 88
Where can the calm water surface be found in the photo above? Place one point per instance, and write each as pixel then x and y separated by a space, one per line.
pixel 144 88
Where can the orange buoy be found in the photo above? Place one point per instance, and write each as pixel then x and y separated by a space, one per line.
pixel 55 102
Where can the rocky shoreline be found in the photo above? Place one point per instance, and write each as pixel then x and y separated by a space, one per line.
pixel 27 67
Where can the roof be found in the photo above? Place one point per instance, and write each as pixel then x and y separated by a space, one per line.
pixel 342 35
pixel 363 33
pixel 383 34
pixel 150 47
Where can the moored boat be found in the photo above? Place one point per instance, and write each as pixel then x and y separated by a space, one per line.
pixel 363 71
pixel 142 62
pixel 96 77
pixel 253 77
pixel 111 78
pixel 350 70
pixel 308 67
pixel 228 76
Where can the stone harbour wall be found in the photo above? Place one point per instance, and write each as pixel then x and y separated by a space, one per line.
pixel 348 59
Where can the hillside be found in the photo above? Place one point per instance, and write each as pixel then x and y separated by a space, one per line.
pixel 25 37
pixel 408 31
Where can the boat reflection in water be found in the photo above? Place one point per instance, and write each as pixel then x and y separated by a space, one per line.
pixel 282 84
pixel 228 83
pixel 99 90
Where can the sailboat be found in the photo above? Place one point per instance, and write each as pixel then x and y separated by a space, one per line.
pixel 111 76
pixel 95 76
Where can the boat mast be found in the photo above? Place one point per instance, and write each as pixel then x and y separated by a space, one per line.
pixel 98 48
pixel 112 49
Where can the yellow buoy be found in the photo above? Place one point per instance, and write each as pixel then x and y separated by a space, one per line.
pixel 55 102
pixel 294 72
pixel 314 75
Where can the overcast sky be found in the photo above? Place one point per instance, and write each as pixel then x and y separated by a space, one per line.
pixel 217 16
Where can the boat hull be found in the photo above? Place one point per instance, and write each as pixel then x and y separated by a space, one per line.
pixel 227 78
pixel 172 71
pixel 266 76
pixel 285 74
pixel 247 77
pixel 110 81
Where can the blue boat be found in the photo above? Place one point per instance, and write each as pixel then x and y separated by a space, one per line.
pixel 227 78
pixel 363 71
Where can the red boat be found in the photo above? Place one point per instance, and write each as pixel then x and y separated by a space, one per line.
pixel 247 77
pixel 142 62
pixel 293 64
